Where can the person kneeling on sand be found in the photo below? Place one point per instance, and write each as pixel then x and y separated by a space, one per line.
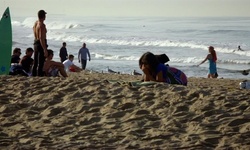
pixel 69 65
pixel 51 68
pixel 155 71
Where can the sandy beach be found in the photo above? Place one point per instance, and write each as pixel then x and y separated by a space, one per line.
pixel 84 111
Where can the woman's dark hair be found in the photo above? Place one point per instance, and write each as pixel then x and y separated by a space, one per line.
pixel 149 59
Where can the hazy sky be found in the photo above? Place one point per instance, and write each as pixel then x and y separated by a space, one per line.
pixel 169 8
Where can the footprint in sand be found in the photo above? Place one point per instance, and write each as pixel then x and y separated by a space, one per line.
pixel 238 122
pixel 89 121
pixel 142 112
pixel 118 114
pixel 127 106
pixel 53 111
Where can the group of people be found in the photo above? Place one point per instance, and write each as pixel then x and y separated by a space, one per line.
pixel 151 65
pixel 24 65
pixel 43 64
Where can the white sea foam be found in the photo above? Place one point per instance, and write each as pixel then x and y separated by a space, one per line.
pixel 53 25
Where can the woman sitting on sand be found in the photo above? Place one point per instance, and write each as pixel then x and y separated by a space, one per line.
pixel 212 58
pixel 51 68
pixel 155 71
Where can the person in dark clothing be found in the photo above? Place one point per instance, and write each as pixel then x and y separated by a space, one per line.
pixel 24 65
pixel 27 61
pixel 15 58
pixel 63 54
pixel 82 55
pixel 40 44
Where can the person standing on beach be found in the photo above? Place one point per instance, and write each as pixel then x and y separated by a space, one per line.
pixel 82 56
pixel 63 54
pixel 40 44
pixel 212 58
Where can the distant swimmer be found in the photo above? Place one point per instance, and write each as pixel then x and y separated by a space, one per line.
pixel 239 49
pixel 245 72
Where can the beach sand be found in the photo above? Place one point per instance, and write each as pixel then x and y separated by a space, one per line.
pixel 84 111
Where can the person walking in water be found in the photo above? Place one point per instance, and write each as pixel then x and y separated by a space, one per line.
pixel 82 56
pixel 212 58
pixel 63 52
pixel 40 44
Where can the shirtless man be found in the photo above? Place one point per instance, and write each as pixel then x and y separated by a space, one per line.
pixel 52 68
pixel 40 44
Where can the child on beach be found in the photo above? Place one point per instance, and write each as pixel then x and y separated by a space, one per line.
pixel 69 65
pixel 51 68
pixel 212 58
pixel 155 71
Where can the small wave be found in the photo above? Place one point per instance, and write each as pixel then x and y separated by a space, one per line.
pixel 244 62
pixel 196 60
pixel 56 35
pixel 222 31
pixel 60 25
pixel 16 23
pixel 186 60
pixel 114 57
pixel 29 23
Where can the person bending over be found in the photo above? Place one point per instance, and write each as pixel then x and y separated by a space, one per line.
pixel 51 68
pixel 155 71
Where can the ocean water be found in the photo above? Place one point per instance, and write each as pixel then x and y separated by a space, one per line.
pixel 118 42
